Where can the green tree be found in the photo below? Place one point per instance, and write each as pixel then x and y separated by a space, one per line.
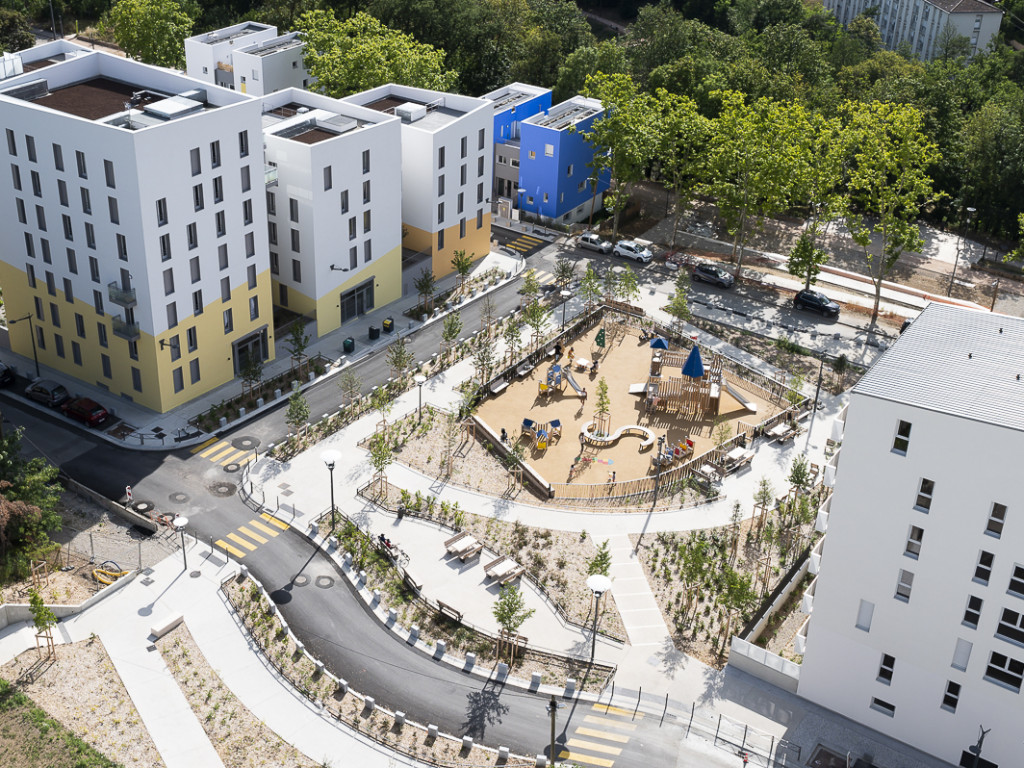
pixel 297 414
pixel 400 358
pixel 350 385
pixel 297 343
pixel 510 609
pixel 627 287
pixel 450 329
pixel 152 31
pixel 15 33
pixel 463 265
pixel 424 285
pixel 800 473
pixel 43 618
pixel 607 57
pixel 512 336
pixel 889 155
pixel 531 286
pixel 536 318
pixel 590 287
pixel 695 557
pixel 805 260
pixel 483 358
pixel 382 454
pixel 358 53
pixel 678 306
pixel 601 562
pixel 381 400
pixel 251 373
pixel 683 134
pixel 950 44
pixel 610 283
pixel 603 406
pixel 565 270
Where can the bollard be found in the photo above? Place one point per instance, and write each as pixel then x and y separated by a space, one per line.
pixel 243 572
pixel 414 633
pixel 376 597
pixel 431 732
pixel 535 679
pixel 342 686
pixel 362 577
pixel 223 421
pixel 470 660
pixel 502 754
pixel 392 615
pixel 502 671
pixel 570 687
pixel 442 648
pixel 347 560
pixel 467 743
pixel 314 529
pixel 399 719
pixel 277 394
pixel 259 402
pixel 542 761
pixel 300 648
pixel 241 411
pixel 369 704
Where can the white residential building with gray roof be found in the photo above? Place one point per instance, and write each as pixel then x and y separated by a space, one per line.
pixel 917 614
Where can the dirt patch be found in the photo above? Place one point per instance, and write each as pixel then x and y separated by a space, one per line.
pixel 82 690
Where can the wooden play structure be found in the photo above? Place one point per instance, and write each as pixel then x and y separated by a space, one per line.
pixel 689 396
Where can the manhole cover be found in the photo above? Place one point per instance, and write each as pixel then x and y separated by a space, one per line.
pixel 300 580
pixel 232 467
pixel 179 497
pixel 324 582
pixel 281 596
pixel 147 581
pixel 142 507
pixel 223 489
pixel 245 443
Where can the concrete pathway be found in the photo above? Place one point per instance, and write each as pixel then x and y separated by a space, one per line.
pixel 640 612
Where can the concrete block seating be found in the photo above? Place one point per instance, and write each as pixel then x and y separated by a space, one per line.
pixel 164 626
pixel 631 430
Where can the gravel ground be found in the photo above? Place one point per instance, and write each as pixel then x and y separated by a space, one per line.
pixel 83 691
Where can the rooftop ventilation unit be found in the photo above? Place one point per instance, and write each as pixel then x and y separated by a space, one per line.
pixel 11 65
pixel 30 91
pixel 410 112
pixel 302 110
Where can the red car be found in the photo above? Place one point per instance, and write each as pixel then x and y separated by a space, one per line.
pixel 87 411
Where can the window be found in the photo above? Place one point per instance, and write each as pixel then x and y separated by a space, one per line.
pixel 885 668
pixel 178 379
pixel 250 273
pixel 293 209
pixel 222 256
pixel 30 145
pixel 951 697
pixel 462 175
pixel 122 247
pixel 165 247
pixel 197 162
pixel 568 170
pixel 481 135
pixel 440 213
pixel 983 571
pixel 440 185
pixel 924 495
pixel 220 224
pixel 581 186
pixel 194 270
pixel 175 346
pixel 282 290
pixel 480 166
pixel 366 161
pixel 366 191
pixel 101 334
pixel 328 178
pixel 192 339
pixel 97 302
pixel 271 203
pixel 545 197
pixel 549 150
pixel 250 244
pixel 218 189
pixel 1011 627
pixel 440 240
pixel 168 282
pixel 55 315
pixel 272 232
pixel 16 176
pixel 479 219
pixel 344 201
pixel 254 307
pixel 197 302
pixel 192 236
pixel 76 353
pixel 214 154
pixel 460 201
pixel 197 197
pixel 40 218
pixel 529 199
pixel 172 315
pixel 38 307
pixel 366 222
pixel 996 518
pixel 440 157
pixel 40 338
pixel 353 257
pixel 247 211
pixel 275 263
pixel 295 240
pixel 1004 670
pixel 464 146
pixel 83 171
pixel 296 270
pixel 225 289
pixel 903 585
pixel 58 344
pixel 902 439
pixel 193 370
pixel 108 174
pixel 51 285
pixel 69 295
pixel 105 362
pixel 246 181
pixel 367 251
pixel 72 261
pixel 115 218
pixel 69 233
pixel 462 228
pixel 37 185
pixel 20 204
pixel 161 211
pixel 45 246
pixel 884 707
pixel 90 236
pixel 12 145
pixel 972 613
pixel 229 323
pixel 133 350
pixel 243 144
pixel 30 247
pixel 1017 581
pixel 352 228
pixel 136 379
pixel 79 326
pixel 914 538
pixel 86 202
pixel 58 157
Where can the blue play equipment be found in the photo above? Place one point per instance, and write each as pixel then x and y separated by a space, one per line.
pixel 555 376
pixel 572 382
pixel 694 366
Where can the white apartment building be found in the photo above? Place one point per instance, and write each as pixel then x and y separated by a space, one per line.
pixel 39 56
pixel 210 56
pixel 135 221
pixel 917 624
pixel 335 233
pixel 447 161
pixel 271 66
pixel 920 22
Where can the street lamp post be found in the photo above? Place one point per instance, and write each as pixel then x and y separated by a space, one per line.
pixel 552 710
pixel 179 525
pixel 598 584
pixel 32 336
pixel 420 380
pixel 959 245
pixel 330 459
pixel 657 477
pixel 565 300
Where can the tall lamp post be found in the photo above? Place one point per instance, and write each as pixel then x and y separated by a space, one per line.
pixel 598 584
pixel 330 459
pixel 32 336
pixel 657 477
pixel 179 524
pixel 420 380
pixel 565 300
pixel 959 245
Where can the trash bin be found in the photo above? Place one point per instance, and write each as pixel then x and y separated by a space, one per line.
pixel 374 332
pixel 389 325
pixel 349 345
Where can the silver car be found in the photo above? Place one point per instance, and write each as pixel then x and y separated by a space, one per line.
pixel 593 242
pixel 633 250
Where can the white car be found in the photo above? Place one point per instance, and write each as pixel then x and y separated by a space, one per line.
pixel 633 250
pixel 593 242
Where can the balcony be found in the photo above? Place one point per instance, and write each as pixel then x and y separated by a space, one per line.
pixel 807 601
pixel 125 330
pixel 270 175
pixel 123 297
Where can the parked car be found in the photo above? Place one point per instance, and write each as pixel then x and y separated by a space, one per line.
pixel 6 375
pixel 710 273
pixel 816 302
pixel 593 242
pixel 47 392
pixel 85 410
pixel 633 250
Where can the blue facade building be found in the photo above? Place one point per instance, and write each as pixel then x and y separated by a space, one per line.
pixel 512 105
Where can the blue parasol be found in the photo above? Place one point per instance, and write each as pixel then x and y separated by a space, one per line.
pixel 659 343
pixel 694 366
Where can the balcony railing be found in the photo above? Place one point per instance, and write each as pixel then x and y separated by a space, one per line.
pixel 123 297
pixel 270 175
pixel 125 330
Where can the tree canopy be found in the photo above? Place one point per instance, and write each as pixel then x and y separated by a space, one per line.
pixel 152 31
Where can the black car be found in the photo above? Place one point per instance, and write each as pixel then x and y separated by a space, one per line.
pixel 709 273
pixel 816 302
pixel 6 375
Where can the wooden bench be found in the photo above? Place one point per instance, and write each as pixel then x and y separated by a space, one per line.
pixel 524 369
pixel 446 610
pixel 455 539
pixel 498 387
pixel 471 552
pixel 489 568
pixel 513 575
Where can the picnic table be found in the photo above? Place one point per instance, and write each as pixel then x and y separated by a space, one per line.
pixel 460 544
pixel 581 363
pixel 503 570
pixel 782 431
pixel 736 454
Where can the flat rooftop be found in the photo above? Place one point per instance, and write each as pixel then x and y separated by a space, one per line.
pixel 219 36
pixel 276 45
pixel 509 98
pixel 317 124
pixel 92 99
pixel 564 115
pixel 436 117
pixel 960 362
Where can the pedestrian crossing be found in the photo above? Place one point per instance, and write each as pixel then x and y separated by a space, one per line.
pixel 603 736
pixel 543 277
pixel 222 452
pixel 526 244
pixel 248 537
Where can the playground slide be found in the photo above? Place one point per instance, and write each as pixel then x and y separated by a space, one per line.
pixel 572 381
pixel 752 407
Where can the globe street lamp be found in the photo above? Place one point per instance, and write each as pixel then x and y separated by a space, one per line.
pixel 330 459
pixel 598 584
pixel 179 523
pixel 565 300
pixel 420 380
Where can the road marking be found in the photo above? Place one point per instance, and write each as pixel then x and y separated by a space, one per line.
pixel 274 521
pixel 217 447
pixel 252 534
pixel 616 737
pixel 233 458
pixel 609 722
pixel 232 550
pixel 239 540
pixel 593 746
pixel 257 524
pixel 608 709
pixel 221 454
pixel 200 447
pixel 586 759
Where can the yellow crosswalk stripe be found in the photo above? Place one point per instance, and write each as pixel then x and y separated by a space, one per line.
pixel 234 458
pixel 200 447
pixel 232 550
pixel 260 526
pixel 616 737
pixel 252 534
pixel 274 521
pixel 217 447
pixel 593 746
pixel 576 757
pixel 609 723
pixel 215 457
pixel 608 709
pixel 239 540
